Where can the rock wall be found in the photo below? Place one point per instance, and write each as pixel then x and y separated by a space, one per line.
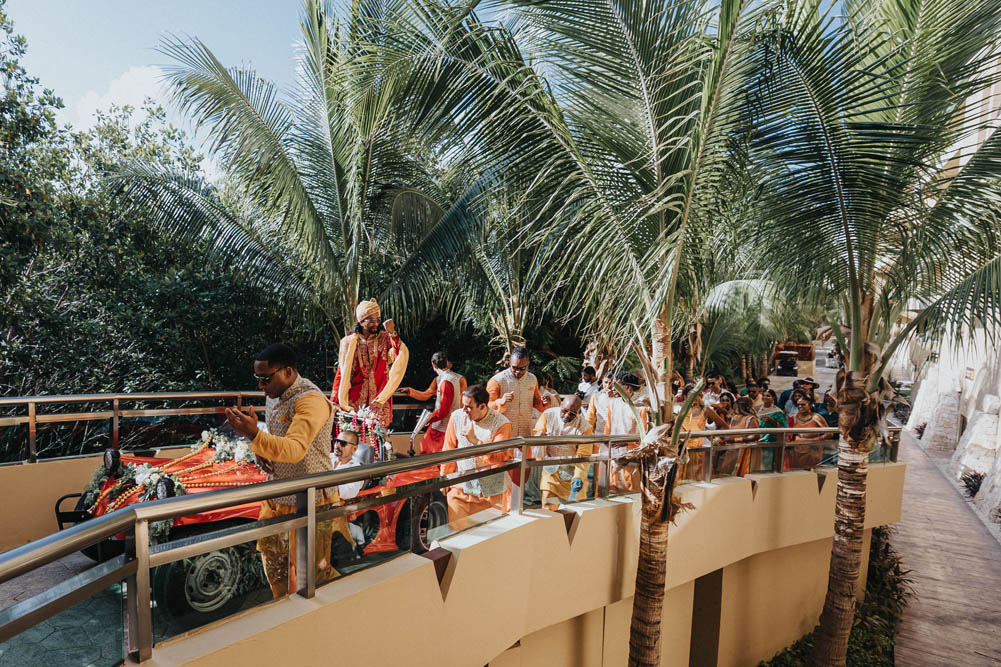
pixel 956 398
pixel 978 446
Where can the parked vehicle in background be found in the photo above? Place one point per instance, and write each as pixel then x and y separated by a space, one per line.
pixel 786 363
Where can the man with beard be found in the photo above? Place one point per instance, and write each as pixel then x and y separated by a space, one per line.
pixel 514 392
pixel 560 482
pixel 371 365
pixel 300 420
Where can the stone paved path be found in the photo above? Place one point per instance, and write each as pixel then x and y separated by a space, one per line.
pixel 955 618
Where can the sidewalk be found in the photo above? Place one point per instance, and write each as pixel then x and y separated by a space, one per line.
pixel 955 617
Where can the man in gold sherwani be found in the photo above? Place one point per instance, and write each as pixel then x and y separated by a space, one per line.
pixel 300 420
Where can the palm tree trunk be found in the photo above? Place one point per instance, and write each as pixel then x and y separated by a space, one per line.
pixel 858 414
pixel 831 642
pixel 648 605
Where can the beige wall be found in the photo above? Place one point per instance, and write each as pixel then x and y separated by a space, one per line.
pixel 770 600
pixel 520 591
pixel 30 492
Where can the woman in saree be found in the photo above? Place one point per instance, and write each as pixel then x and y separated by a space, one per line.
pixel 771 416
pixel 748 459
pixel 695 420
pixel 806 451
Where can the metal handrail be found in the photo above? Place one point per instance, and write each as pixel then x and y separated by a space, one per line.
pixel 136 566
pixel 33 419
pixel 148 396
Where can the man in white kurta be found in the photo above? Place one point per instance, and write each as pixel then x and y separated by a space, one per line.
pixel 475 424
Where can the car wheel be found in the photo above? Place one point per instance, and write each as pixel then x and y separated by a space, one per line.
pixel 433 514
pixel 198 590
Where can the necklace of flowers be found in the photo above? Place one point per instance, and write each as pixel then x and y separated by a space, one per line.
pixel 366 425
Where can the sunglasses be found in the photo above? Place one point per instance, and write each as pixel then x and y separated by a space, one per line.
pixel 344 443
pixel 264 379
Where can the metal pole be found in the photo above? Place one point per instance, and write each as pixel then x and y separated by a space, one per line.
pixel 518 502
pixel 32 453
pixel 707 463
pixel 139 613
pixel 605 471
pixel 114 423
pixel 779 464
pixel 305 538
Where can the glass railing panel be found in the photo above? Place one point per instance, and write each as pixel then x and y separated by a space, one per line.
pixel 567 484
pixel 88 633
pixel 192 592
pixel 764 458
pixel 805 454
pixel 362 539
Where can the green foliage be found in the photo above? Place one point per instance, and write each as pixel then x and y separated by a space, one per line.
pixel 887 590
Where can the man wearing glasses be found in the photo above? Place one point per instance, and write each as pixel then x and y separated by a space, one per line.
pixel 563 482
pixel 300 421
pixel 373 361
pixel 514 392
pixel 345 446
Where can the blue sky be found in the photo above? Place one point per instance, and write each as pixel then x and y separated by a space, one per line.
pixel 96 53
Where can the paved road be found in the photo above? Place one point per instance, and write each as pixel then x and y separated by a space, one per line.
pixel 955 619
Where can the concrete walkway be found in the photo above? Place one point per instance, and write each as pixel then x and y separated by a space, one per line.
pixel 955 618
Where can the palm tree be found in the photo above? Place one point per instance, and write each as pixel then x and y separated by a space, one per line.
pixel 313 182
pixel 745 318
pixel 616 132
pixel 472 265
pixel 884 185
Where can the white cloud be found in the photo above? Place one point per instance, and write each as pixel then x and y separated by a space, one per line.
pixel 132 88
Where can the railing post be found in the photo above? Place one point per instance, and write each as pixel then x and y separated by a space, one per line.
pixel 707 463
pixel 779 464
pixel 138 605
pixel 605 472
pixel 305 539
pixel 114 424
pixel 518 499
pixel 32 452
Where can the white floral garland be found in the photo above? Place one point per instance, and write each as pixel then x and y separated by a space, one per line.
pixel 146 477
pixel 226 448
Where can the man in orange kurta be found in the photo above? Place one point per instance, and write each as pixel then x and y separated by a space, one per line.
pixel 476 423
pixel 622 420
pixel 371 364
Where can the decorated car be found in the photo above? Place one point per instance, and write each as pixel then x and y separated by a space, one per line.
pixel 210 586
